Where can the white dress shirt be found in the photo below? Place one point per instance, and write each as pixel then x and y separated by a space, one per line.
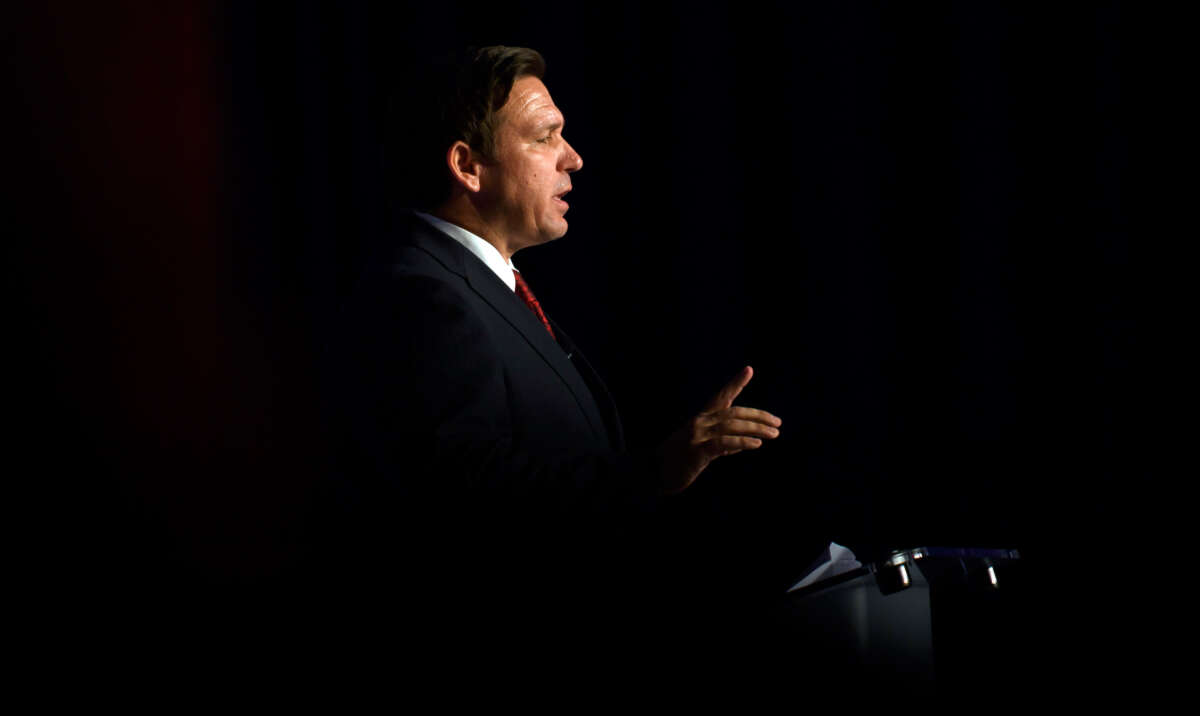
pixel 479 246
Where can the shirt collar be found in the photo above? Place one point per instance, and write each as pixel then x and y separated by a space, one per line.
pixel 477 245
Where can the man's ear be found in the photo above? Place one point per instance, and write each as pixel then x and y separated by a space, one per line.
pixel 465 165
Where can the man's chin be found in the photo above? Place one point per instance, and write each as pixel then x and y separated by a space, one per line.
pixel 556 230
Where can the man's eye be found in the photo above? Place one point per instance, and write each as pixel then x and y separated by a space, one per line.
pixel 546 139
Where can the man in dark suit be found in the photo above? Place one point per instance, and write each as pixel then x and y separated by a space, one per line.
pixel 487 455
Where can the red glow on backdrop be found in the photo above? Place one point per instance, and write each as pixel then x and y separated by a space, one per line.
pixel 132 271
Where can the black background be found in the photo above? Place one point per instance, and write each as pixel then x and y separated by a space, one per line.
pixel 911 221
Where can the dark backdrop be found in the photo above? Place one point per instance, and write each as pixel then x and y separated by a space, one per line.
pixel 911 221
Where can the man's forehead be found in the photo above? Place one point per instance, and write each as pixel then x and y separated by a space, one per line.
pixel 530 102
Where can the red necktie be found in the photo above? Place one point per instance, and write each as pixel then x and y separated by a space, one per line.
pixel 527 296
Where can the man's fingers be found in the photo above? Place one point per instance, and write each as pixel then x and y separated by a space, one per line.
pixel 755 414
pixel 730 444
pixel 746 427
pixel 704 423
pixel 722 429
pixel 725 397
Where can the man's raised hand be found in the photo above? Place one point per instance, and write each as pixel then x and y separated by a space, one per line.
pixel 721 428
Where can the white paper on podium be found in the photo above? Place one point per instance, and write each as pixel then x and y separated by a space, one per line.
pixel 835 560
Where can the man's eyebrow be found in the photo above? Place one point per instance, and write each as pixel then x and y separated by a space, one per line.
pixel 550 125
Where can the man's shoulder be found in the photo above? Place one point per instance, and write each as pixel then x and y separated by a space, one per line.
pixel 416 247
pixel 412 258
pixel 412 293
pixel 424 274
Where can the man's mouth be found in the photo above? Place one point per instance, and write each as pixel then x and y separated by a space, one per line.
pixel 560 196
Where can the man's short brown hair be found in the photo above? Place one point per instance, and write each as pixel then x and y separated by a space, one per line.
pixel 463 94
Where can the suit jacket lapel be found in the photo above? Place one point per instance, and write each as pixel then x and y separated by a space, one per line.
pixel 603 399
pixel 492 290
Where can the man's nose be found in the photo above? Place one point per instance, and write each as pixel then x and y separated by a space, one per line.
pixel 572 162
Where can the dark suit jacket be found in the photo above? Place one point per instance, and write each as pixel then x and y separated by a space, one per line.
pixel 485 458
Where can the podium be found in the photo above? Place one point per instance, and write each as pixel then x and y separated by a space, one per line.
pixel 929 615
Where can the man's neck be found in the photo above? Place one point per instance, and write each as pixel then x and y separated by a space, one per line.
pixel 469 219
